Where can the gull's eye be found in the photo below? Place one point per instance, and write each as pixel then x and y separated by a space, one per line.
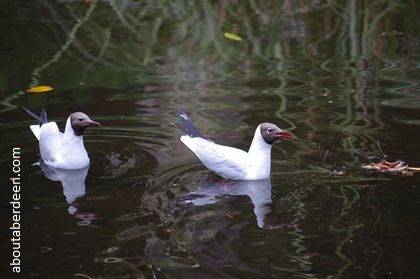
pixel 269 130
pixel 81 119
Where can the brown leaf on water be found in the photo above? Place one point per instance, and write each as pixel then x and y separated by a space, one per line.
pixel 398 167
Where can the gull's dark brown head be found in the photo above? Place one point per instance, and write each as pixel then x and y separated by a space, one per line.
pixel 270 133
pixel 80 121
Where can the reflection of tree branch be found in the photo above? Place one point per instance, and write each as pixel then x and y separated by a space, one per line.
pixel 7 102
pixel 335 8
pixel 375 244
pixel 349 199
pixel 104 47
pixel 282 108
pixel 295 201
pixel 70 39
pixel 349 233
pixel 368 32
pixel 37 72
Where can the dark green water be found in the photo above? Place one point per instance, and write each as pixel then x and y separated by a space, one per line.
pixel 341 76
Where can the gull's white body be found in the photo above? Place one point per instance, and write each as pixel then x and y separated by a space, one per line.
pixel 230 162
pixel 60 150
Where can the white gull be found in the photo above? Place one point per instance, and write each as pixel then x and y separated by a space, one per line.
pixel 62 150
pixel 234 163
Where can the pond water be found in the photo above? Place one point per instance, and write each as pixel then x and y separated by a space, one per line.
pixel 342 78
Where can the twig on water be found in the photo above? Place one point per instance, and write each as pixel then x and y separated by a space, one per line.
pixel 333 170
pixel 358 153
pixel 380 150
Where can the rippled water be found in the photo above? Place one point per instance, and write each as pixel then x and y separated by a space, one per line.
pixel 341 78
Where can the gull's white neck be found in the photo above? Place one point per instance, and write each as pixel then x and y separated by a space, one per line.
pixel 69 136
pixel 260 155
pixel 73 149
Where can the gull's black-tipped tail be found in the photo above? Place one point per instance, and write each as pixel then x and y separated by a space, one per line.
pixel 42 118
pixel 189 127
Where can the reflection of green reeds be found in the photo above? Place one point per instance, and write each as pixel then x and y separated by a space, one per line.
pixel 276 36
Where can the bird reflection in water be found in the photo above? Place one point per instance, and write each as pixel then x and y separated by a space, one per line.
pixel 211 190
pixel 73 183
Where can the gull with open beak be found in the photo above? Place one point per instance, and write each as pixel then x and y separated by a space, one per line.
pixel 234 163
pixel 62 150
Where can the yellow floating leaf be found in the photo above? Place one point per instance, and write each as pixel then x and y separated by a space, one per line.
pixel 39 89
pixel 232 36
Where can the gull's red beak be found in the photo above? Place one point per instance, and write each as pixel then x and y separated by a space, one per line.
pixel 90 123
pixel 284 135
pixel 94 123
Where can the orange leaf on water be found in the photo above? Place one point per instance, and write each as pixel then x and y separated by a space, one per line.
pixel 39 89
